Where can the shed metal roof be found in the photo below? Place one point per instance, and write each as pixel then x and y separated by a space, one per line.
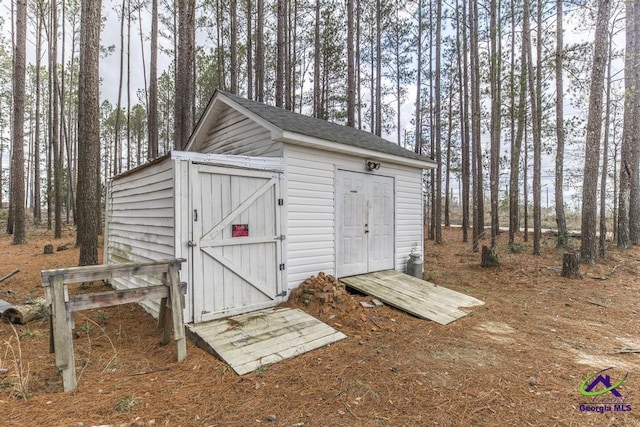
pixel 293 123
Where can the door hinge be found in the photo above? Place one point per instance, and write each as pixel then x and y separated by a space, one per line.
pixel 281 267
pixel 280 202
pixel 280 237
pixel 282 294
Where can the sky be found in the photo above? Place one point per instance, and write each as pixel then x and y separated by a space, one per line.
pixel 110 67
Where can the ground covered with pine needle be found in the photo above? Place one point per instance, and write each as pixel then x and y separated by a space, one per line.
pixel 518 360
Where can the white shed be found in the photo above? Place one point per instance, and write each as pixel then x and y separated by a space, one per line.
pixel 263 198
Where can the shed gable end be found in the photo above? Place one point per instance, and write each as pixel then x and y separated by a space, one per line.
pixel 228 131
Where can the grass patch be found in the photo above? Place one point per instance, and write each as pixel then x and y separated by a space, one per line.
pixel 12 362
pixel 126 403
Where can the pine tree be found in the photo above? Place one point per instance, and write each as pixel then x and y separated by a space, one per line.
pixel 17 161
pixel 89 204
pixel 588 252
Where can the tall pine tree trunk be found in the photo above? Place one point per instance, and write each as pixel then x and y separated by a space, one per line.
pixel 220 68
pixel 588 253
pixel 357 66
pixel 249 50
pixel 152 111
pixel 37 213
pixel 537 136
pixel 260 52
pixel 234 46
pixel 289 57
pixel 55 124
pixel 464 123
pixel 280 52
pixel 495 118
pixel 128 84
pixel 533 101
pixel 634 153
pixel 447 177
pixel 351 77
pixel 418 115
pixel 185 83
pixel 629 135
pixel 602 244
pixel 478 197
pixel 17 160
pixel 438 126
pixel 378 103
pixel 516 146
pixel 69 140
pixel 89 204
pixel 117 148
pixel 559 175
pixel 317 109
pixel 432 149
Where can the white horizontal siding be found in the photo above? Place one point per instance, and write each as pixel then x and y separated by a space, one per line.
pixel 140 220
pixel 234 133
pixel 310 214
pixel 409 211
pixel 310 200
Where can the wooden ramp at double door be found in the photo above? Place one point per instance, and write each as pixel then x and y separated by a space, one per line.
pixel 251 340
pixel 418 297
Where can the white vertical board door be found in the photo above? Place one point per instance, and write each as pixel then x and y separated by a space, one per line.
pixel 365 223
pixel 237 241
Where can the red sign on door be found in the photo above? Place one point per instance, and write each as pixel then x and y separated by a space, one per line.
pixel 239 230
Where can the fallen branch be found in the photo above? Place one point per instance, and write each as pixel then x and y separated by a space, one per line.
pixel 626 350
pixel 14 272
pixel 374 322
pixel 148 372
pixel 595 303
pixel 349 409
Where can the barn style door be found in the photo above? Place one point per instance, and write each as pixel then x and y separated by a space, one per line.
pixel 237 241
pixel 365 223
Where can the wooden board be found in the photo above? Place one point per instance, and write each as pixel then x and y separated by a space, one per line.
pixel 418 297
pixel 251 340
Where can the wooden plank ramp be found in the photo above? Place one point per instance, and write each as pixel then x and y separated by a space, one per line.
pixel 251 340
pixel 415 296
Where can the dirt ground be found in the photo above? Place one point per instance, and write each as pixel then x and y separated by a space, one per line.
pixel 518 360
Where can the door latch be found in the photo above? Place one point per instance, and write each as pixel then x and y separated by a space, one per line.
pixel 191 243
pixel 366 228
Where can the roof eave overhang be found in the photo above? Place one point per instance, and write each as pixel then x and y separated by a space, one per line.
pixel 313 142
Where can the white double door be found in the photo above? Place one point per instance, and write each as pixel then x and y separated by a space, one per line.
pixel 365 223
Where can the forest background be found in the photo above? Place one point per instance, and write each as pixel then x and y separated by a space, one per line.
pixel 525 106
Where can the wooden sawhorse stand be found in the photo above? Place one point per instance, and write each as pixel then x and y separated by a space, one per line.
pixel 62 305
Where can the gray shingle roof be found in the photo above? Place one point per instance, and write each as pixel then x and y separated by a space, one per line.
pixel 318 128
